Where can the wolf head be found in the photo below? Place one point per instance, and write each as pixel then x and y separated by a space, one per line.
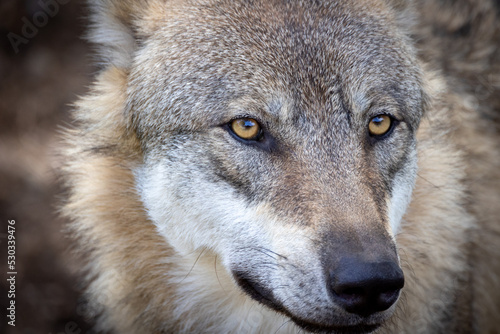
pixel 279 135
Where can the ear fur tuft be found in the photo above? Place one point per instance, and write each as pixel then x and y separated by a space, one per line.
pixel 113 30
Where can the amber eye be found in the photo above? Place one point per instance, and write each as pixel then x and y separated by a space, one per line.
pixel 379 125
pixel 246 128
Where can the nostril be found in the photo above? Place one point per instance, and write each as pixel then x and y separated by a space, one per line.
pixel 367 288
pixel 350 296
pixel 387 298
pixel 350 292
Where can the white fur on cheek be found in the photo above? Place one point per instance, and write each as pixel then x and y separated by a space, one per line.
pixel 404 182
pixel 198 206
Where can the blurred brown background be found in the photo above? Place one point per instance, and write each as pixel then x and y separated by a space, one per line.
pixel 38 82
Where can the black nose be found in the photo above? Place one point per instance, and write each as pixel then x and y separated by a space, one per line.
pixel 365 288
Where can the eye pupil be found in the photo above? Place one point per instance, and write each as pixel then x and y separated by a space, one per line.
pixel 246 128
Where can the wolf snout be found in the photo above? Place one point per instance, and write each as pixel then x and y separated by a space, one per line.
pixel 365 288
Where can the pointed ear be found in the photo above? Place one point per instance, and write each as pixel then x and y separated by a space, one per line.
pixel 114 29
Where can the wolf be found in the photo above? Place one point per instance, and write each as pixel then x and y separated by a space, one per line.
pixel 289 166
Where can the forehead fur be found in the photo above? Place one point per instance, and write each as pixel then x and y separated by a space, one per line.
pixel 197 58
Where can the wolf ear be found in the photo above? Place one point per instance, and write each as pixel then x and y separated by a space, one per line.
pixel 114 29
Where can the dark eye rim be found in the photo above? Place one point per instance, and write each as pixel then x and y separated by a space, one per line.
pixel 264 141
pixel 258 138
pixel 394 123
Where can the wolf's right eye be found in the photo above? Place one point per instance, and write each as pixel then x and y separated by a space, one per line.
pixel 380 125
pixel 246 128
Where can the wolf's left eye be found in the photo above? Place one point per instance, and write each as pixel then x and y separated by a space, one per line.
pixel 246 128
pixel 380 125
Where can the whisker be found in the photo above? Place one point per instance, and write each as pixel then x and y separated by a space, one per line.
pixel 432 184
pixel 282 325
pixel 281 256
pixel 217 275
pixel 190 270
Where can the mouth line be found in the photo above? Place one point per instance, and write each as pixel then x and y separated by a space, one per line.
pixel 258 292
pixel 263 296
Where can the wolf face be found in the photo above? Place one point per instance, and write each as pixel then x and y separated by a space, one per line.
pixel 281 137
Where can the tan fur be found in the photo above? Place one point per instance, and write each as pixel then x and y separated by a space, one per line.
pixel 450 235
